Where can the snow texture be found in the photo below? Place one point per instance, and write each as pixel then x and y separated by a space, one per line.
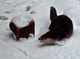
pixel 31 48
pixel 22 20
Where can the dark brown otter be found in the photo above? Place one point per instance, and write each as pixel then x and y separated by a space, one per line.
pixel 61 27
pixel 23 31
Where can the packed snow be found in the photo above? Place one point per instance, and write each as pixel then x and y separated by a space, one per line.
pixel 22 20
pixel 31 48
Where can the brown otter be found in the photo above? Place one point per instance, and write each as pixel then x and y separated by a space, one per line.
pixel 61 27
pixel 19 30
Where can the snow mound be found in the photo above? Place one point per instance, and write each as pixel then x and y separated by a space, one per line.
pixel 22 20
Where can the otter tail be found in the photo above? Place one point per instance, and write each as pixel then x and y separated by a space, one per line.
pixel 53 13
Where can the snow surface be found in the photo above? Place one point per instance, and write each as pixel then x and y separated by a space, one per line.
pixel 22 20
pixel 32 48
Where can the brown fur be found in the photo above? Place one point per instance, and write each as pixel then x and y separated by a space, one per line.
pixel 61 27
pixel 53 13
pixel 24 31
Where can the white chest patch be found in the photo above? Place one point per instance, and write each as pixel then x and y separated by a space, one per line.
pixel 48 41
pixel 22 20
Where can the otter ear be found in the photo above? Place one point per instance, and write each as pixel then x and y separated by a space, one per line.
pixel 53 13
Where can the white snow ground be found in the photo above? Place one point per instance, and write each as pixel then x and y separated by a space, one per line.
pixel 32 48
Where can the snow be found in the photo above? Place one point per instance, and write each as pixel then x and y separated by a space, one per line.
pixel 31 48
pixel 22 20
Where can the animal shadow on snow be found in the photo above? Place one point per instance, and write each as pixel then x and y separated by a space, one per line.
pixel 46 45
pixel 11 35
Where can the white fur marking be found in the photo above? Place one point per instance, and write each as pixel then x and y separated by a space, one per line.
pixel 48 41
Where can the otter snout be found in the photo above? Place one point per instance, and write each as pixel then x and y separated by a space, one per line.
pixel 40 39
pixel 47 40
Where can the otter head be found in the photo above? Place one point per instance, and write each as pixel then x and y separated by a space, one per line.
pixel 47 40
pixel 52 36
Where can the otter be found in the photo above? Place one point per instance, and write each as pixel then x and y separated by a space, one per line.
pixel 22 26
pixel 61 27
